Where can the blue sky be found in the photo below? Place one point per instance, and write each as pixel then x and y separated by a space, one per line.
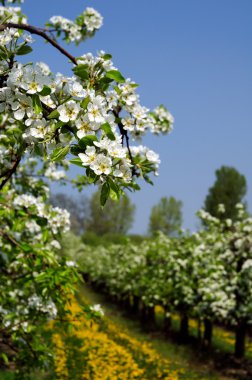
pixel 193 56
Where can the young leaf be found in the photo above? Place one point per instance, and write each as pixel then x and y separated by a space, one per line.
pixel 46 91
pixel 114 196
pixel 114 186
pixel 25 49
pixel 53 115
pixel 5 358
pixel 75 150
pixel 26 247
pixel 135 186
pixel 76 161
pixel 81 71
pixel 115 75
pixel 87 140
pixel 92 177
pixel 107 56
pixel 36 104
pixel 85 102
pixel 117 89
pixel 59 153
pixel 107 129
pixel 148 180
pixel 105 190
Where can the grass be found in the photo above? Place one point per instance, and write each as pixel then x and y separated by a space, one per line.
pixel 184 358
pixel 184 362
pixel 7 375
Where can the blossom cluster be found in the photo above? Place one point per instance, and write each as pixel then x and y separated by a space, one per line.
pixel 35 305
pixel 80 114
pixel 57 219
pixel 37 102
pixel 14 14
pixel 75 31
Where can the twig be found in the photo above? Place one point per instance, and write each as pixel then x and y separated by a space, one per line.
pixel 11 172
pixel 10 238
pixel 41 33
pixel 124 134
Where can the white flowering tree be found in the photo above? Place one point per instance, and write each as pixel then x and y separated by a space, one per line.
pixel 48 121
pixel 237 259
pixel 206 276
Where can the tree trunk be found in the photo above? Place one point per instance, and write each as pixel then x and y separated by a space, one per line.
pixel 208 332
pixel 151 317
pixel 184 328
pixel 199 330
pixel 167 324
pixel 167 320
pixel 126 303
pixel 135 305
pixel 240 338
pixel 143 313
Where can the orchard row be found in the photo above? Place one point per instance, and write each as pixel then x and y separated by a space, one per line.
pixel 206 275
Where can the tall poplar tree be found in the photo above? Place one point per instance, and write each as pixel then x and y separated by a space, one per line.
pixel 229 189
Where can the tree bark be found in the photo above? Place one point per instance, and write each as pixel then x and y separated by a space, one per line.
pixel 184 328
pixel 208 332
pixel 199 330
pixel 167 321
pixel 240 338
pixel 143 313
pixel 126 303
pixel 151 315
pixel 135 305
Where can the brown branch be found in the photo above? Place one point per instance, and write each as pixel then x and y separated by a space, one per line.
pixel 27 338
pixel 11 172
pixel 41 33
pixel 124 134
pixel 5 342
pixel 10 238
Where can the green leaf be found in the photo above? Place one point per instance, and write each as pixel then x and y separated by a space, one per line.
pixel 115 75
pixel 87 140
pixel 114 196
pixel 36 104
pixel 117 89
pixel 81 71
pixel 61 125
pixel 46 91
pixel 85 102
pixel 53 115
pixel 105 80
pixel 114 186
pixel 45 291
pixel 3 55
pixel 92 177
pixel 148 180
pixel 76 161
pixel 5 358
pixel 42 221
pixel 59 153
pixel 135 186
pixel 75 150
pixel 26 247
pixel 105 190
pixel 107 129
pixel 25 49
pixel 107 57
